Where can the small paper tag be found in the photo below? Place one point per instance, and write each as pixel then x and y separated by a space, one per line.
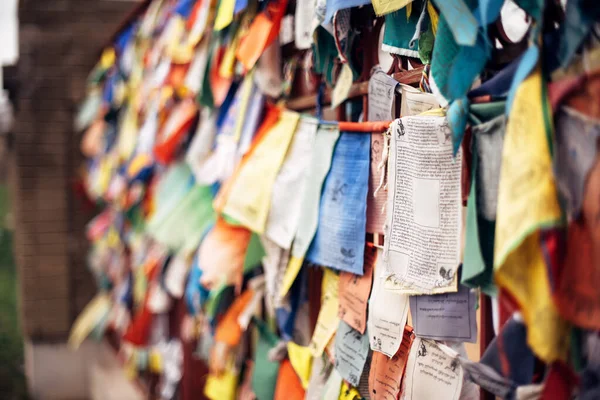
pixel 342 86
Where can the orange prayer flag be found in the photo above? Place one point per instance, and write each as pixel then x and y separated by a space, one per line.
pixel 219 85
pixel 288 386
pixel 228 329
pixel 177 75
pixel 222 253
pixel 174 130
pixel 91 143
pixel 262 33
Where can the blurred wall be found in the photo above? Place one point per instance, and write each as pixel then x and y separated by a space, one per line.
pixel 60 41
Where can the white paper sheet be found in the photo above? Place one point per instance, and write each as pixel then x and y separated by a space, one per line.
pixel 415 102
pixel 422 246
pixel 388 312
pixel 433 372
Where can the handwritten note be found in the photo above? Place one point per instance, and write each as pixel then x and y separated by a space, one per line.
pixel 327 321
pixel 376 204
pixel 340 238
pixel 386 373
pixel 382 92
pixel 351 351
pixel 288 188
pixel 388 312
pixel 249 196
pixel 449 316
pixel 354 293
pixel 432 372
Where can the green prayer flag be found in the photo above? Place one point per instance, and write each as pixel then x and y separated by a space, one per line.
pixel 254 253
pixel 183 228
pixel 264 374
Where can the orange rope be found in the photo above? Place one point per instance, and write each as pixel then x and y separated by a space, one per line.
pixel 372 126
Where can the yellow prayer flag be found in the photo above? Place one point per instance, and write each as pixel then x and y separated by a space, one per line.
pixel 249 197
pixel 349 392
pixel 342 86
pixel 131 366
pixel 174 34
pixel 527 202
pixel 89 318
pixel 433 16
pixel 128 134
pixel 246 89
pixel 223 386
pixel 301 359
pixel 105 173
pixel 155 362
pixel 524 275
pixel 182 54
pixel 224 14
pixel 290 275
pixel 382 7
pixel 436 112
pixel 227 66
pixel 328 320
pixel 108 58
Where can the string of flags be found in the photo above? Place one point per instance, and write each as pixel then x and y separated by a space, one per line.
pixel 332 229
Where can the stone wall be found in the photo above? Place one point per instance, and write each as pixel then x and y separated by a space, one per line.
pixel 60 41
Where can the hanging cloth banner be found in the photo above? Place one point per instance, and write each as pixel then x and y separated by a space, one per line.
pixel 334 6
pixel 340 237
pixel 527 202
pixel 383 7
pixel 399 30
pixel 263 31
pixel 464 25
pixel 487 142
pixel 580 17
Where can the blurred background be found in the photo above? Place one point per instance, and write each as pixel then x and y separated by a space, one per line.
pixel 47 48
